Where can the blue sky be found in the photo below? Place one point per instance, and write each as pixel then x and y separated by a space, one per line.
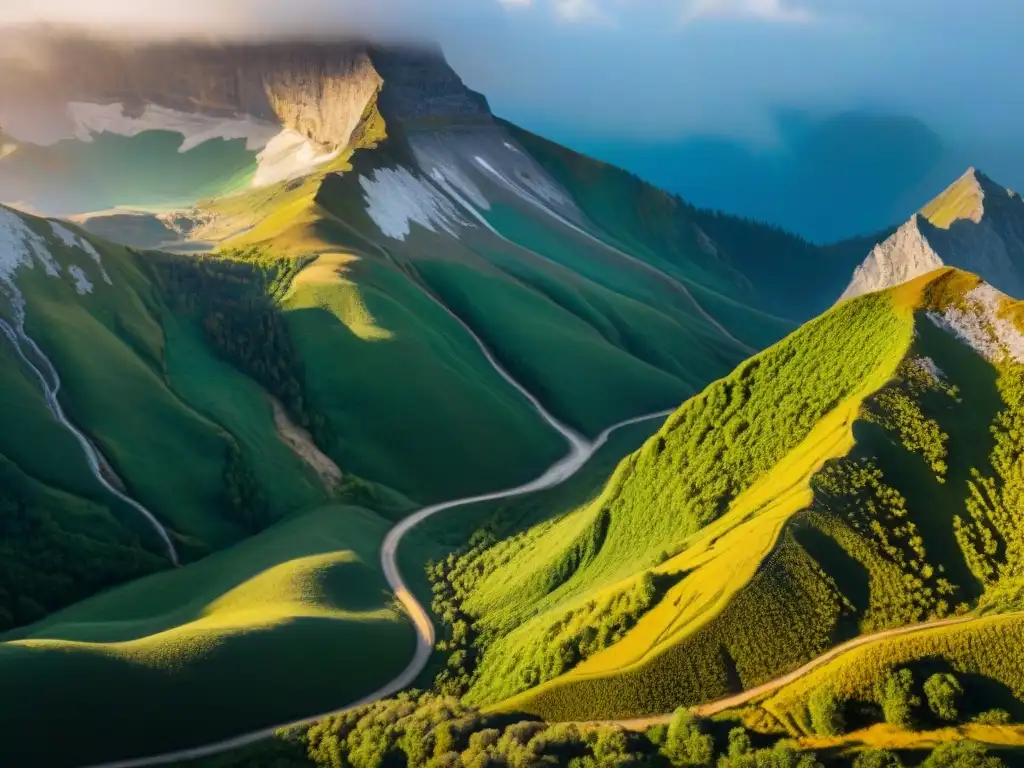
pixel 661 68
pixel 689 93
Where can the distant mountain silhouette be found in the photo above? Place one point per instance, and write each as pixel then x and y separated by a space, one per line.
pixel 848 174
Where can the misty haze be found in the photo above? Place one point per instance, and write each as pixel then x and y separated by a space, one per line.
pixel 511 383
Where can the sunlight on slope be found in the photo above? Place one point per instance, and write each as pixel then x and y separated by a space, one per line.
pixel 330 585
pixel 724 557
pixel 885 736
pixel 282 594
pixel 964 199
pixel 985 647
pixel 261 213
pixel 323 285
pixel 721 560
pixel 280 624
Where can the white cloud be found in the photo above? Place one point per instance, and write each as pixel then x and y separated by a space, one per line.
pixel 582 11
pixel 761 10
pixel 570 11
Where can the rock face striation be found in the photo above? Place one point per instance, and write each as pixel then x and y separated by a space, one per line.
pixel 975 225
pixel 316 89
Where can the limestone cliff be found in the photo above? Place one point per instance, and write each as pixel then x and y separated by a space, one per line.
pixel 974 224
pixel 321 90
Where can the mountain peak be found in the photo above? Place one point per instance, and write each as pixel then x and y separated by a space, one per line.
pixel 320 89
pixel 975 224
pixel 964 200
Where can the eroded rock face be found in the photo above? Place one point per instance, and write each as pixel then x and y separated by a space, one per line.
pixel 320 90
pixel 974 225
pixel 902 257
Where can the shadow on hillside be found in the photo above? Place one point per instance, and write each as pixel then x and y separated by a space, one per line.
pixel 934 505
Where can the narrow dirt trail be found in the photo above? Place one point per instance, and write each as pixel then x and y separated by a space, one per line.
pixel 300 442
pixel 745 697
pixel 580 452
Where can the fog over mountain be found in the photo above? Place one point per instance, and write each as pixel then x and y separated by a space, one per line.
pixel 667 72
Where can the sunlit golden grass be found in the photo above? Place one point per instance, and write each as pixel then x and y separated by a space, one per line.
pixel 723 557
pixel 324 284
pixel 987 646
pixel 885 736
pixel 258 215
pixel 274 628
pixel 720 567
pixel 962 200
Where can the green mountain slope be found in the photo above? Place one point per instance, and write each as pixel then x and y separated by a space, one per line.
pixel 335 348
pixel 363 338
pixel 857 476
pixel 777 272
pixel 281 622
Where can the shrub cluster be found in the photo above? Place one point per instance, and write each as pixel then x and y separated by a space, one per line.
pixel 991 533
pixel 235 296
pixel 855 491
pixel 898 409
pixel 428 731
pixel 48 563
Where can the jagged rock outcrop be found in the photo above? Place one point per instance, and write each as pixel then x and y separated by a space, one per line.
pixel 974 224
pixel 419 85
pixel 320 90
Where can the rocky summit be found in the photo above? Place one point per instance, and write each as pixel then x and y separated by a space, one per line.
pixel 975 224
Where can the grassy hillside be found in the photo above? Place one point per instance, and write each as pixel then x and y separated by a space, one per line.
pixel 982 655
pixel 361 329
pixel 844 481
pixel 280 622
pixel 760 264
pixel 563 592
pixel 130 372
pixel 636 326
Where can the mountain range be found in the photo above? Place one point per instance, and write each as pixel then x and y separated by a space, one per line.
pixel 282 319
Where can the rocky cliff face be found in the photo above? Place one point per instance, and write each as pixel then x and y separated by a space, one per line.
pixel 320 90
pixel 974 224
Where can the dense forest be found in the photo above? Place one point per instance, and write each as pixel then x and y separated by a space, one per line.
pixel 429 731
pixel 45 566
pixel 234 294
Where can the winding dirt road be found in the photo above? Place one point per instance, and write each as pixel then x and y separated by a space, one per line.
pixel 580 451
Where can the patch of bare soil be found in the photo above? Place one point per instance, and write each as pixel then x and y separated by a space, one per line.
pixel 301 443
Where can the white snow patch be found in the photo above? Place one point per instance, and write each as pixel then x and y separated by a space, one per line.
pixel 82 283
pixel 451 178
pixel 71 240
pixel 91 119
pixel 541 187
pixel 441 160
pixel 928 365
pixel 530 186
pixel 395 199
pixel 509 145
pixel 465 204
pixel 981 328
pixel 21 247
pixel 289 155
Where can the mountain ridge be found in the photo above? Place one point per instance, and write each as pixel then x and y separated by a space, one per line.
pixel 974 224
